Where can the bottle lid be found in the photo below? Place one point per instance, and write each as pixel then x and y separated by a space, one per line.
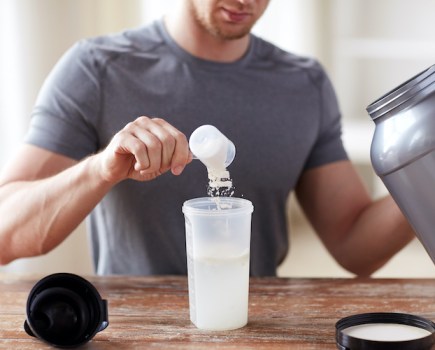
pixel 405 94
pixel 385 331
pixel 65 310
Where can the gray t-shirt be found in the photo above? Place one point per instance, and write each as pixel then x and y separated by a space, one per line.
pixel 279 109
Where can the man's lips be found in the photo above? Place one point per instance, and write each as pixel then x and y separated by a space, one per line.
pixel 235 16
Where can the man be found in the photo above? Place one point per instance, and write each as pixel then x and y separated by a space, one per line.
pixel 88 151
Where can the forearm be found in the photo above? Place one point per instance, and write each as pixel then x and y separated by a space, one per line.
pixel 38 215
pixel 38 210
pixel 379 233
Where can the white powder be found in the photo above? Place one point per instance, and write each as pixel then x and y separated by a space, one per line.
pixel 386 332
pixel 210 146
pixel 219 178
pixel 216 152
pixel 220 183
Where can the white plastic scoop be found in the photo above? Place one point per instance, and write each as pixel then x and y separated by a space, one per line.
pixel 212 147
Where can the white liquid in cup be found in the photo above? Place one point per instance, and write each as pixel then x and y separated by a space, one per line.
pixel 386 332
pixel 220 292
pixel 217 244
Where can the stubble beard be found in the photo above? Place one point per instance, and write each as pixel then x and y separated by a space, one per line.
pixel 218 30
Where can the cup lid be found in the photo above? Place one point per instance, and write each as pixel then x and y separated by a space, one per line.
pixel 384 331
pixel 65 310
pixel 217 206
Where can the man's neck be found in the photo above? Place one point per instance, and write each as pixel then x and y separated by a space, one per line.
pixel 198 42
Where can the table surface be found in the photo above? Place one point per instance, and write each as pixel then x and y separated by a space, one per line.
pixel 153 312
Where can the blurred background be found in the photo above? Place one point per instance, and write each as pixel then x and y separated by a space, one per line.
pixel 367 47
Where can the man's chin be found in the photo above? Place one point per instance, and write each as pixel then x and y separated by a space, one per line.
pixel 235 34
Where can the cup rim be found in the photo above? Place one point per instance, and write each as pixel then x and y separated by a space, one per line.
pixel 208 206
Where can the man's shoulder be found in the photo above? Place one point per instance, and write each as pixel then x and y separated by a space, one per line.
pixel 284 61
pixel 130 41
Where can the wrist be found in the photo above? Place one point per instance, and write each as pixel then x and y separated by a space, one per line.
pixel 98 172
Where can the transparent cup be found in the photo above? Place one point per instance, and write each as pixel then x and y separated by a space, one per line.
pixel 218 234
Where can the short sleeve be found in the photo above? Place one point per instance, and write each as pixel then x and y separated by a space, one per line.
pixel 329 145
pixel 67 107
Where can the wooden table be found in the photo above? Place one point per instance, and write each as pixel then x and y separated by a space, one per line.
pixel 153 313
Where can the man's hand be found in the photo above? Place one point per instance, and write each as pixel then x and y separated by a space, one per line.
pixel 143 150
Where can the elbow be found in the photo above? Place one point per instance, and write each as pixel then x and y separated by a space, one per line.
pixel 363 272
pixel 361 269
pixel 5 258
pixel 13 248
pixel 361 262
pixel 5 253
pixel 5 261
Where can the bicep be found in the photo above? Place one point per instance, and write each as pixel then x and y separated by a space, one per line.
pixel 332 197
pixel 33 163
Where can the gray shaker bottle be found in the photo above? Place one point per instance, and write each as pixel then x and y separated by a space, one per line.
pixel 403 151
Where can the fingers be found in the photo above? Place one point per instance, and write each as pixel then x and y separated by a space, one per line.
pixel 178 154
pixel 148 137
pixel 155 146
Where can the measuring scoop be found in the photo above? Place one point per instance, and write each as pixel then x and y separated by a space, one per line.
pixel 212 147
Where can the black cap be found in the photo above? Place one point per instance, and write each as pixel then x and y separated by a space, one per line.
pixel 347 342
pixel 65 310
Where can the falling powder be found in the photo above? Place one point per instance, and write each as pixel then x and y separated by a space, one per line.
pixel 216 152
pixel 220 183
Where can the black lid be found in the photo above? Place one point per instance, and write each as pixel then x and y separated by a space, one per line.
pixel 348 342
pixel 403 93
pixel 65 310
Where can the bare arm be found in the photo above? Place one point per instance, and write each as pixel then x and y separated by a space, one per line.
pixel 361 234
pixel 44 196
